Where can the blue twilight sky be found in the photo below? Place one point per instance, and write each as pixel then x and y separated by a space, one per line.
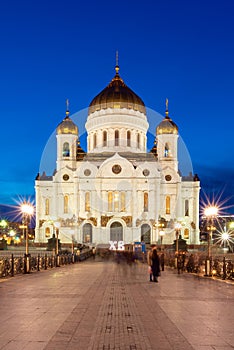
pixel 54 50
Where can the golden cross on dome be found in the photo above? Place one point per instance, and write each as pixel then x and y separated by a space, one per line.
pixel 166 106
pixel 117 62
pixel 67 107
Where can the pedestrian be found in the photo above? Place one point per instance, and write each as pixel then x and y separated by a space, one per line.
pixel 94 252
pixel 155 265
pixel 162 260
pixel 149 262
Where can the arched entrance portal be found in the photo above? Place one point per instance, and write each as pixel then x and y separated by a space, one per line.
pixel 87 233
pixel 145 233
pixel 116 231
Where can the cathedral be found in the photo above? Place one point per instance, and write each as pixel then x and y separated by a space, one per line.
pixel 117 191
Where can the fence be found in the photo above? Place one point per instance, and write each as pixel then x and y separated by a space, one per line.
pixel 220 266
pixel 14 264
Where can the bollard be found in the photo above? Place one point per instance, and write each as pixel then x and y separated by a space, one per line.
pixel 45 261
pixel 57 261
pixel 12 265
pixel 26 263
pixel 38 262
pixel 224 269
pixel 207 267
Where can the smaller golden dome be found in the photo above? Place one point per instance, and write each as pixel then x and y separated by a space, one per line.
pixel 167 126
pixel 67 126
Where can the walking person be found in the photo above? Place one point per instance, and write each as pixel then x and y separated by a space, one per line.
pixel 155 265
pixel 149 262
pixel 162 260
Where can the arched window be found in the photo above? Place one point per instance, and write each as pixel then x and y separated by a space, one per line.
pixel 47 232
pixel 128 138
pixel 116 201
pixel 65 204
pixel 47 206
pixel 186 233
pixel 110 201
pixel 146 201
pixel 87 233
pixel 145 233
pixel 138 140
pixel 122 204
pixel 104 138
pixel 94 140
pixel 87 201
pixel 116 231
pixel 168 205
pixel 66 149
pixel 186 207
pixel 116 137
pixel 166 150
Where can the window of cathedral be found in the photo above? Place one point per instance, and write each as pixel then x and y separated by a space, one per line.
pixel 138 140
pixel 146 172
pixel 123 200
pixel 104 138
pixel 65 204
pixel 145 233
pixel 168 177
pixel 186 207
pixel 186 233
pixel 116 169
pixel 168 205
pixel 166 151
pixel 110 201
pixel 47 206
pixel 128 138
pixel 87 172
pixel 116 137
pixel 87 201
pixel 116 201
pixel 146 202
pixel 116 231
pixel 65 177
pixel 47 232
pixel 66 149
pixel 94 140
pixel 87 233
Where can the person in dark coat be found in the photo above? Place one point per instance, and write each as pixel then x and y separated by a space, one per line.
pixel 155 265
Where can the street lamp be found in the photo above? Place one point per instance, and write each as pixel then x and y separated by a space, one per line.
pixel 27 210
pixel 210 213
pixel 177 231
pixel 225 237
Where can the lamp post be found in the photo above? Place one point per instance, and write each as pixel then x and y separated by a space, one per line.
pixel 177 231
pixel 27 210
pixel 225 238
pixel 57 226
pixel 210 213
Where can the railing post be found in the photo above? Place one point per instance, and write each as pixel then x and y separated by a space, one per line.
pixel 12 265
pixel 224 269
pixel 38 262
pixel 45 261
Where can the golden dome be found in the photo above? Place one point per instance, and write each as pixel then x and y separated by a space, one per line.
pixel 167 126
pixel 67 126
pixel 117 95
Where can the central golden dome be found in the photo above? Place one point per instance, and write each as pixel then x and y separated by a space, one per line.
pixel 117 95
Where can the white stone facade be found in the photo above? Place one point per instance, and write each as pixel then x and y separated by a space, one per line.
pixel 117 190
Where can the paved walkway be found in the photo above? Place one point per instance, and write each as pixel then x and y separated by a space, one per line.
pixel 98 305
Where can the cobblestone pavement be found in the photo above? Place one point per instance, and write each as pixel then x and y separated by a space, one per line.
pixel 98 305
